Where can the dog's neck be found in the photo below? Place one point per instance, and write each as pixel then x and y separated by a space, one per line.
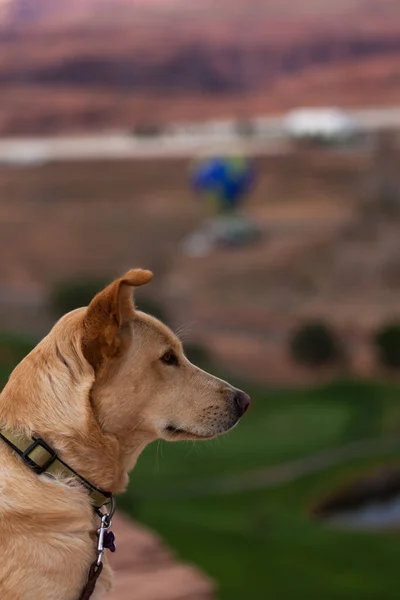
pixel 53 401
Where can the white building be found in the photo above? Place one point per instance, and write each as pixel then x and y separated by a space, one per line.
pixel 330 124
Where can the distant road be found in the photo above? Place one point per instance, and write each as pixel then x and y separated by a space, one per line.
pixel 377 118
pixel 120 146
pixel 180 141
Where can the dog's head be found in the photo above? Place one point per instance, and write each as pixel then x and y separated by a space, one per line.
pixel 143 381
pixel 108 380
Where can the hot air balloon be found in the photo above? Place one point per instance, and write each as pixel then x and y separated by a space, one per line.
pixel 223 182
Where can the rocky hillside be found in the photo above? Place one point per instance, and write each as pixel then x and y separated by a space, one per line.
pixel 330 250
pixel 77 63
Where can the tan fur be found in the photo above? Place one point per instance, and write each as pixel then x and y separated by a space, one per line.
pixel 97 390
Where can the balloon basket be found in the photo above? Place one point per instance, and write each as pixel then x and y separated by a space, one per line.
pixel 232 231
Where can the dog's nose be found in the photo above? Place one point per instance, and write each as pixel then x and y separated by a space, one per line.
pixel 242 401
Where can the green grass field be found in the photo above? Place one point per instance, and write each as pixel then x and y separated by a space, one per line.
pixel 263 544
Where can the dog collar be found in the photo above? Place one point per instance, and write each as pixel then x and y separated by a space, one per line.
pixel 41 458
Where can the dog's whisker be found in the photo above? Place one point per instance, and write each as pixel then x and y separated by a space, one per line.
pixel 157 458
pixel 189 450
pixel 184 329
pixel 138 423
pixel 196 448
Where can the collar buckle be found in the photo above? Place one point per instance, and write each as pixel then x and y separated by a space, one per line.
pixel 37 452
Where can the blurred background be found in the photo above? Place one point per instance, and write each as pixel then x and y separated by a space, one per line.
pixel 248 152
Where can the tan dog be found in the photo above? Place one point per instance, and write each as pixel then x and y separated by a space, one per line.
pixel 104 383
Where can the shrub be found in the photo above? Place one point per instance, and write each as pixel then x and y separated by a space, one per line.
pixel 151 307
pixel 71 294
pixel 198 355
pixel 387 342
pixel 68 295
pixel 147 130
pixel 13 348
pixel 314 345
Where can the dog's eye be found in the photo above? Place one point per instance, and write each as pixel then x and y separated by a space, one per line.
pixel 170 359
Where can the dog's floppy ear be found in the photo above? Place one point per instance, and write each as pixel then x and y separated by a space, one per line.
pixel 107 314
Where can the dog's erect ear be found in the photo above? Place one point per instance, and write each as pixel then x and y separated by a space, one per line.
pixel 106 315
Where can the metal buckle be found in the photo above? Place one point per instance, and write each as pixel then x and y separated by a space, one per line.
pixel 41 444
pixel 110 504
pixel 106 520
pixel 104 526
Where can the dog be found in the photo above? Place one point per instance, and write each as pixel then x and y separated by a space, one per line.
pixel 104 383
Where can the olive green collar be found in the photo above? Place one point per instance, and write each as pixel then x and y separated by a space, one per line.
pixel 41 458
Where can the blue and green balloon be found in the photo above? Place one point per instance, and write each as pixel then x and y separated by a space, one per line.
pixel 224 182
